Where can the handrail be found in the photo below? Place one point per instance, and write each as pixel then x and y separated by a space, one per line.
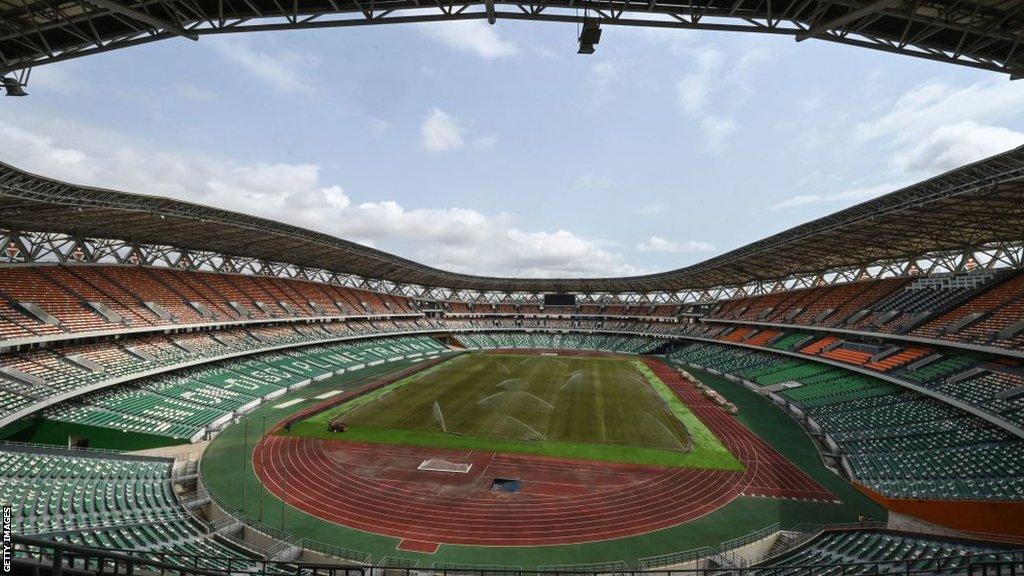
pixel 751 537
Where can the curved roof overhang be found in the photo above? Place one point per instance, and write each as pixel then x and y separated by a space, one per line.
pixel 979 33
pixel 977 205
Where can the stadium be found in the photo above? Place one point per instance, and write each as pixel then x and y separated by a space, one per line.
pixel 186 389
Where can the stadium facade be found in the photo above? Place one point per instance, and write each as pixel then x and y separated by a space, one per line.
pixel 891 332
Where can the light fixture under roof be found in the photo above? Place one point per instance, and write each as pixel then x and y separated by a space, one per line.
pixel 590 36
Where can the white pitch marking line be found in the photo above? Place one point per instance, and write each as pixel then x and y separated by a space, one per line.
pixel 289 403
pixel 328 394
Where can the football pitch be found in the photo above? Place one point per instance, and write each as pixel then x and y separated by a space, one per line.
pixel 593 408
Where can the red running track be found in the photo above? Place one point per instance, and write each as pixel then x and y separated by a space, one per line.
pixel 378 488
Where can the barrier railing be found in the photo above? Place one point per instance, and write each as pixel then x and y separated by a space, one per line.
pixel 278 534
pixel 34 556
pixel 675 558
pixel 610 568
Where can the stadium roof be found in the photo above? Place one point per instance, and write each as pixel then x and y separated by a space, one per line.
pixel 976 205
pixel 979 33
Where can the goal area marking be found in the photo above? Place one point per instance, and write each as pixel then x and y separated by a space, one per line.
pixel 442 465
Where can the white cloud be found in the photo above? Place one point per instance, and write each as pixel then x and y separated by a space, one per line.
pixel 659 244
pixel 652 209
pixel 454 238
pixel 935 127
pixel 539 253
pixel 926 107
pixel 710 89
pixel 441 132
pixel 694 87
pixel 710 84
pixel 716 130
pixel 281 71
pixel 473 36
pixel 954 145
pixel 853 194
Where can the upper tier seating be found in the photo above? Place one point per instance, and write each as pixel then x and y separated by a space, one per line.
pixel 45 307
pixel 983 307
pixel 985 316
pixel 50 300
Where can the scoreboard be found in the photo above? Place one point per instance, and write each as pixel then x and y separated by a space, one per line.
pixel 559 299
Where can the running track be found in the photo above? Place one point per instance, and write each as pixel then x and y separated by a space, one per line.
pixel 377 488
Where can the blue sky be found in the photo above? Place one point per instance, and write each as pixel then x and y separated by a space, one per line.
pixel 498 150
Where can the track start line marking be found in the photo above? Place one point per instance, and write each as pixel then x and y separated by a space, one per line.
pixel 289 403
pixel 418 546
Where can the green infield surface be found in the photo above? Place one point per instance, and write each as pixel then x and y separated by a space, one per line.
pixel 593 408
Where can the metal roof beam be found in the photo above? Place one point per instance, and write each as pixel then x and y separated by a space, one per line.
pixel 117 7
pixel 851 16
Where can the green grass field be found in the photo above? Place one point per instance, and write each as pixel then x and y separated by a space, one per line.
pixel 574 407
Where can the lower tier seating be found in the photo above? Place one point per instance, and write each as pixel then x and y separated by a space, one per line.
pixel 604 342
pixel 898 442
pixel 882 552
pixel 183 405
pixel 103 499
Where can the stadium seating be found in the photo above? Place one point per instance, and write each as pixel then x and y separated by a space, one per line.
pixel 184 405
pixel 995 310
pixel 34 285
pixel 982 307
pixel 249 339
pixel 899 358
pixel 34 375
pixel 41 301
pixel 568 341
pixel 881 552
pixel 102 499
pixel 898 442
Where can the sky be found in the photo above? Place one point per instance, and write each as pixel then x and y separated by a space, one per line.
pixel 498 150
